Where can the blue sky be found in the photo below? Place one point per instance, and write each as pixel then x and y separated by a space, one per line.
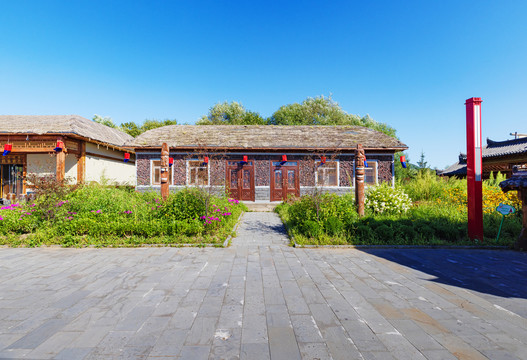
pixel 410 64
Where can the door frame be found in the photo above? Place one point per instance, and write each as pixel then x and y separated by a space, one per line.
pixel 285 191
pixel 240 167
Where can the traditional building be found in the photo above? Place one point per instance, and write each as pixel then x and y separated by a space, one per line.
pixel 32 145
pixel 263 162
pixel 497 156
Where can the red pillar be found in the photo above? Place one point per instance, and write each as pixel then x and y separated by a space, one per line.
pixel 474 169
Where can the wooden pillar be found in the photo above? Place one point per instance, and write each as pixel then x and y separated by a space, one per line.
pixel 359 179
pixel 164 171
pixel 61 165
pixel 81 163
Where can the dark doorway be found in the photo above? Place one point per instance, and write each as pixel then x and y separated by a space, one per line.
pixel 11 180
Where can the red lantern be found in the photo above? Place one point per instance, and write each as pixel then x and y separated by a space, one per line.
pixel 245 158
pixel 60 146
pixel 323 159
pixel 170 161
pixel 403 161
pixel 284 158
pixel 7 149
pixel 126 157
pixel 206 160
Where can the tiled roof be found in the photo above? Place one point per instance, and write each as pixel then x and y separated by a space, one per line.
pixel 62 124
pixel 493 149
pixel 267 137
pixel 503 148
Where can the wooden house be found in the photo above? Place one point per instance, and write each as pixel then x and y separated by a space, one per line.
pixel 90 151
pixel 497 156
pixel 265 162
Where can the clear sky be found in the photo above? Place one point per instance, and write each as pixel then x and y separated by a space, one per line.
pixel 411 64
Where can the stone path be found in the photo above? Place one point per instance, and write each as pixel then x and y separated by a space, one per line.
pixel 261 299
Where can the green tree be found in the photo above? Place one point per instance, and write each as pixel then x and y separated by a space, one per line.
pixel 131 128
pixel 422 163
pixel 324 111
pixel 232 113
pixel 104 121
pixel 403 174
pixel 134 130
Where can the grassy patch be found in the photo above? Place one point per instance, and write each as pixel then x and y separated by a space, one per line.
pixel 110 217
pixel 437 218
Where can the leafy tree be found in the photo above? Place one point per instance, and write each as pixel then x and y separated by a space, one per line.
pixel 154 124
pixel 104 121
pixel 232 113
pixel 324 111
pixel 131 128
pixel 134 130
pixel 402 174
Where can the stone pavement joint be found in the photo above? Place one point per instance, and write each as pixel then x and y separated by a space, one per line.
pixel 262 299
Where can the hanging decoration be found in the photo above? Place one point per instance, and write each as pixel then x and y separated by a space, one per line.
pixel 403 161
pixel 323 159
pixel 244 159
pixel 7 149
pixel 126 157
pixel 365 162
pixel 284 159
pixel 60 146
pixel 170 162
pixel 206 160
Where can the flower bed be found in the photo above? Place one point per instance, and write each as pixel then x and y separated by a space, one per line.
pixel 101 216
pixel 392 219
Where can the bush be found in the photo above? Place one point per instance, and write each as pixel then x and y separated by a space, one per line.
pixel 106 216
pixel 384 199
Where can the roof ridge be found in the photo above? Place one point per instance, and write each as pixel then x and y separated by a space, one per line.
pixel 493 143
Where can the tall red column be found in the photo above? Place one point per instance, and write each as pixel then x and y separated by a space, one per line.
pixel 474 169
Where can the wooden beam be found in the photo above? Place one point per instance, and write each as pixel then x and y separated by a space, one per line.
pixel 61 165
pixel 81 163
pixel 108 157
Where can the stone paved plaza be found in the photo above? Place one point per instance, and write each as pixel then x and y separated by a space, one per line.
pixel 261 299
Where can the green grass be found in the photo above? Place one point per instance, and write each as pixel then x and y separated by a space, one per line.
pixel 109 217
pixel 427 223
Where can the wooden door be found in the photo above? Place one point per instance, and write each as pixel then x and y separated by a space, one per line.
pixel 240 180
pixel 284 180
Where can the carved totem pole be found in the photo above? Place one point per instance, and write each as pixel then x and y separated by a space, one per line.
pixel 359 179
pixel 164 171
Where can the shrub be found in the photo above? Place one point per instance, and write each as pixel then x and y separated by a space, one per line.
pixel 384 199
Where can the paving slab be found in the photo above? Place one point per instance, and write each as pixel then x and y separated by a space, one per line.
pixel 262 299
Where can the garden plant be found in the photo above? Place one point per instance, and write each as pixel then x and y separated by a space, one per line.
pixel 424 210
pixel 108 216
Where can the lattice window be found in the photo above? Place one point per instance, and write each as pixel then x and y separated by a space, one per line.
pixel 156 173
pixel 327 174
pixel 198 173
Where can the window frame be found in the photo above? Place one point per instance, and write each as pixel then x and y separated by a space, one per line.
pixel 375 170
pixel 318 163
pixel 188 172
pixel 152 175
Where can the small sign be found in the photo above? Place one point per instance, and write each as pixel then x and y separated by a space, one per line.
pixel 505 209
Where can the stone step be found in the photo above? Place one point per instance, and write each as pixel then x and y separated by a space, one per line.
pixel 261 206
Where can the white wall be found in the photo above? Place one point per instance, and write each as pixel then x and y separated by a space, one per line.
pixel 100 170
pixel 71 168
pixel 41 164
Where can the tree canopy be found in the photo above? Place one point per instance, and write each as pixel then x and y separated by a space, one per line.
pixel 312 111
pixel 232 113
pixel 132 128
pixel 106 120
pixel 324 111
